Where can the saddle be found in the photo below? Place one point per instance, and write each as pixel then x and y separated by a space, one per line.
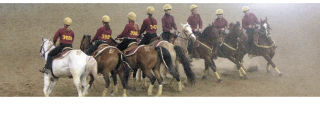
pixel 65 51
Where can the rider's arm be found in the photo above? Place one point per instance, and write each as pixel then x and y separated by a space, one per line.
pixel 174 23
pixel 125 31
pixel 55 38
pixel 96 36
pixel 200 22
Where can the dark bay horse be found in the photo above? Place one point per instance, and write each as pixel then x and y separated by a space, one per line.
pixel 148 59
pixel 232 48
pixel 203 47
pixel 263 45
pixel 110 61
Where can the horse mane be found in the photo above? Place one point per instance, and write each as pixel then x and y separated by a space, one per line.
pixel 206 31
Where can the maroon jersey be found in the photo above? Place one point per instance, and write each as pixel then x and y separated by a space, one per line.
pixel 249 19
pixel 148 26
pixel 168 23
pixel 220 23
pixel 194 21
pixel 65 37
pixel 131 30
pixel 103 34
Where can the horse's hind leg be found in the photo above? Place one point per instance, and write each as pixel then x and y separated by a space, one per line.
pixel 268 67
pixel 115 83
pixel 156 71
pixel 77 82
pixel 107 80
pixel 205 71
pixel 85 85
pixel 152 80
pixel 272 64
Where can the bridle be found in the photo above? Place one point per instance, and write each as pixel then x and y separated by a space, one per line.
pixel 42 48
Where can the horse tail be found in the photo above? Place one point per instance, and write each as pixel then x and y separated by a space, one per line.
pixel 165 58
pixel 185 63
pixel 126 67
pixel 92 67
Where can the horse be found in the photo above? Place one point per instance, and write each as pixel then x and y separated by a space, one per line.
pixel 110 61
pixel 149 60
pixel 177 55
pixel 232 48
pixel 263 45
pixel 74 63
pixel 203 47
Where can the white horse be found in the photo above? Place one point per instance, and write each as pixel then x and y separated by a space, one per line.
pixel 75 64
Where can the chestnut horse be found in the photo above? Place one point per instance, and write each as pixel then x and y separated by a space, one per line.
pixel 110 60
pixel 148 59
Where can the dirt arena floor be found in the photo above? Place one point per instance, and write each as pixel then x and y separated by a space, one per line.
pixel 295 29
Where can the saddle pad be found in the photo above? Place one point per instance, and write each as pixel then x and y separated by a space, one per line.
pixel 65 51
pixel 101 50
pixel 134 50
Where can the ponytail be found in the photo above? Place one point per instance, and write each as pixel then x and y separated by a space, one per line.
pixel 106 24
pixel 151 19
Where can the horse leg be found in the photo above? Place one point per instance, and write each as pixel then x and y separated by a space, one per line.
pixel 268 67
pixel 77 82
pixel 135 82
pixel 107 80
pixel 157 74
pixel 205 71
pixel 152 80
pixel 53 83
pixel 115 83
pixel 242 73
pixel 85 85
pixel 124 81
pixel 213 67
pixel 272 64
pixel 46 83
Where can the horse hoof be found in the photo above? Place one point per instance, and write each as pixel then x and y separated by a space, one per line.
pixel 220 81
pixel 245 77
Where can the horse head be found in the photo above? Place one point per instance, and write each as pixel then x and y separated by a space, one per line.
pixel 85 42
pixel 45 47
pixel 265 26
pixel 186 29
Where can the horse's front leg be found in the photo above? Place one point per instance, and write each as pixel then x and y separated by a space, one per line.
pixel 213 67
pixel 272 64
pixel 46 87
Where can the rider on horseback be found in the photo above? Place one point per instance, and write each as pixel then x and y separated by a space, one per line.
pixel 221 24
pixel 249 21
pixel 66 36
pixel 103 35
pixel 150 26
pixel 194 20
pixel 168 23
pixel 130 32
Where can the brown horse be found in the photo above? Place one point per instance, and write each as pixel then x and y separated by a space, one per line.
pixel 148 59
pixel 110 60
pixel 203 47
pixel 232 48
pixel 177 55
pixel 263 45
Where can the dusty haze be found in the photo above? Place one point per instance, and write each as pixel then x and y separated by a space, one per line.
pixel 295 29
